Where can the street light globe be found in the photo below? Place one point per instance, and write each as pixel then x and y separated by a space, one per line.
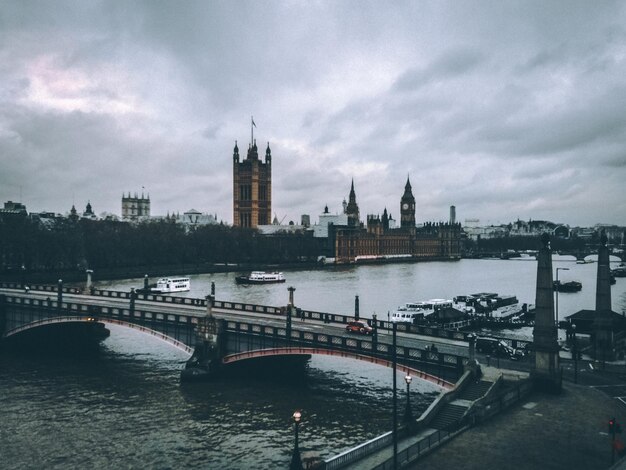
pixel 297 416
pixel 408 379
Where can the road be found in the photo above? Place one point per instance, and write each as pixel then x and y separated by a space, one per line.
pixel 443 345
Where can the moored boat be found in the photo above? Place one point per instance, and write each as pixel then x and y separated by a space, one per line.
pixel 176 284
pixel 487 302
pixel 570 286
pixel 260 277
pixel 412 312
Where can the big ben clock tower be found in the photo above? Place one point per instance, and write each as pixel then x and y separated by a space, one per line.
pixel 407 207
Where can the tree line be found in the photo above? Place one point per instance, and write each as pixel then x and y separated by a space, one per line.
pixel 31 245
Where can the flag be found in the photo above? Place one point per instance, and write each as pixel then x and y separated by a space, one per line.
pixel 253 122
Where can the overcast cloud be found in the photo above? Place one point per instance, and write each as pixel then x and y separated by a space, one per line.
pixel 506 110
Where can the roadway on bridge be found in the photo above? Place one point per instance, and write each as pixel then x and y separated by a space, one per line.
pixel 443 345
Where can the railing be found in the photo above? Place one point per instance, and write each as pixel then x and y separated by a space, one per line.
pixel 422 446
pixel 434 440
pixel 359 452
pixel 240 306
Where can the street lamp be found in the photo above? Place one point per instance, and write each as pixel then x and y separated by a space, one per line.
pixel 575 353
pixel 408 415
pixel 296 461
pixel 556 312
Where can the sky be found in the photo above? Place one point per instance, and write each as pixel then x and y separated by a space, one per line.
pixel 506 110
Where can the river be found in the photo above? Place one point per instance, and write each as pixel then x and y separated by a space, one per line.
pixel 123 405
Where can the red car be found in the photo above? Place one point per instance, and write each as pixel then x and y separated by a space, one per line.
pixel 359 326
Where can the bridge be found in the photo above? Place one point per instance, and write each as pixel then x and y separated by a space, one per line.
pixel 219 333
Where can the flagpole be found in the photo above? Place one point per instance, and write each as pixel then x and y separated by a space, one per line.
pixel 251 130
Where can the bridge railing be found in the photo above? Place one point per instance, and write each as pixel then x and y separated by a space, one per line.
pixel 102 312
pixel 439 364
pixel 448 367
pixel 434 331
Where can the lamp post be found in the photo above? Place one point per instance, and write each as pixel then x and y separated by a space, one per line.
pixel 296 461
pixel 394 359
pixel 408 415
pixel 575 353
pixel 556 312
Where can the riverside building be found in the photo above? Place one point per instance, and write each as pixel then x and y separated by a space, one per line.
pixel 379 240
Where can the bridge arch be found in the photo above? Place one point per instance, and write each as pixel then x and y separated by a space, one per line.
pixel 257 353
pixel 81 319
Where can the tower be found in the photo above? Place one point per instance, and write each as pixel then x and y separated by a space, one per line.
pixel 352 209
pixel 603 341
pixel 134 207
pixel 547 372
pixel 407 207
pixel 252 188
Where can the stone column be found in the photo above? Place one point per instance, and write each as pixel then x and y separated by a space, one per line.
pixel 291 291
pixel 3 315
pixel 133 296
pixel 546 374
pixel 208 352
pixel 88 284
pixel 60 293
pixel 603 343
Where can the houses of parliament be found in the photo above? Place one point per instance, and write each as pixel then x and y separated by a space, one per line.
pixel 347 239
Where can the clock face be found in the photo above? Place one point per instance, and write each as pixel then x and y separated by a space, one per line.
pixel 405 206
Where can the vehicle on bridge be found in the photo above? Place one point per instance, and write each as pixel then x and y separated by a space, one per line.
pixel 359 326
pixel 620 271
pixel 498 348
pixel 166 284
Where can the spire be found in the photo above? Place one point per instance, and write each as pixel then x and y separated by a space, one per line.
pixel 352 209
pixel 408 191
pixel 352 197
pixel 236 153
pixel 268 154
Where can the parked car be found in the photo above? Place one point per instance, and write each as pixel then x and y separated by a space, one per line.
pixel 359 326
pixel 497 348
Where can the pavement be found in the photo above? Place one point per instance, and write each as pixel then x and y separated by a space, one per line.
pixel 542 432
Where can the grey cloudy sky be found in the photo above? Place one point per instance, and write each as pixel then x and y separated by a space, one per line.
pixel 505 109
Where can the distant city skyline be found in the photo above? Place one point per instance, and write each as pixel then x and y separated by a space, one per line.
pixel 505 110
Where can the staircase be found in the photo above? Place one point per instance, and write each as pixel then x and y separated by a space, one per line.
pixel 450 414
pixel 476 390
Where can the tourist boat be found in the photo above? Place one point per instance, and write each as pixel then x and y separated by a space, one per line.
pixel 260 277
pixel 485 302
pixel 175 284
pixel 412 312
pixel 570 286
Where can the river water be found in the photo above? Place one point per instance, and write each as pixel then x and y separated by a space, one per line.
pixel 123 405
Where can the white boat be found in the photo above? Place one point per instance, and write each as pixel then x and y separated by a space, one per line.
pixel 413 311
pixel 175 284
pixel 260 277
